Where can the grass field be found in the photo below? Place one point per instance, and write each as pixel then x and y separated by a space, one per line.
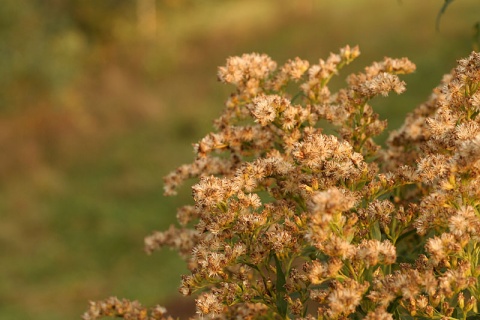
pixel 82 171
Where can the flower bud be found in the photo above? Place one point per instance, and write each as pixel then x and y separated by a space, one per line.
pixel 386 229
pixel 298 221
pixel 472 302
pixel 447 310
pixel 429 311
pixel 461 300
pixel 436 299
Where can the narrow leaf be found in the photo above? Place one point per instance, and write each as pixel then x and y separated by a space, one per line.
pixel 280 288
pixel 442 11
pixel 476 36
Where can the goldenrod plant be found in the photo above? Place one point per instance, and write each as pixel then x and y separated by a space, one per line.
pixel 292 223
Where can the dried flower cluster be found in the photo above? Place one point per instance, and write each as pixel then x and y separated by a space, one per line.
pixel 290 222
pixel 130 310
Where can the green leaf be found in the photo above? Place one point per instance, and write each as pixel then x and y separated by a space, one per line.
pixel 476 39
pixel 442 11
pixel 280 288
pixel 375 231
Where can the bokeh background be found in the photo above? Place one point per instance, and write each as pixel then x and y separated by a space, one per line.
pixel 102 98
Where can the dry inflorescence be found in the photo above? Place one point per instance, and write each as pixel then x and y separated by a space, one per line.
pixel 290 222
pixel 130 310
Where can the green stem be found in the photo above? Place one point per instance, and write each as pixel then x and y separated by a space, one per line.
pixel 280 289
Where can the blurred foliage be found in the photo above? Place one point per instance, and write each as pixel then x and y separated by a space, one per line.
pixel 476 26
pixel 98 103
pixel 445 5
pixel 476 36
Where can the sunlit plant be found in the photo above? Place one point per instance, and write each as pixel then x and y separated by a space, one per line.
pixel 291 222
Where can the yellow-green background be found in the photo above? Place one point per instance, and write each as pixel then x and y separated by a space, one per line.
pixel 93 113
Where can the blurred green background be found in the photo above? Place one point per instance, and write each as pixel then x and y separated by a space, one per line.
pixel 102 98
